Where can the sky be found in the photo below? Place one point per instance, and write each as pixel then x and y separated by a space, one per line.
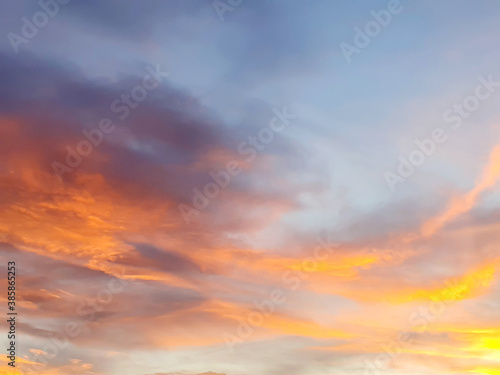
pixel 238 187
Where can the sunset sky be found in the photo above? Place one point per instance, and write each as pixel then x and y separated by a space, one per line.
pixel 256 187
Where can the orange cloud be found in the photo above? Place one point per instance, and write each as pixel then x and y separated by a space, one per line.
pixel 460 205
